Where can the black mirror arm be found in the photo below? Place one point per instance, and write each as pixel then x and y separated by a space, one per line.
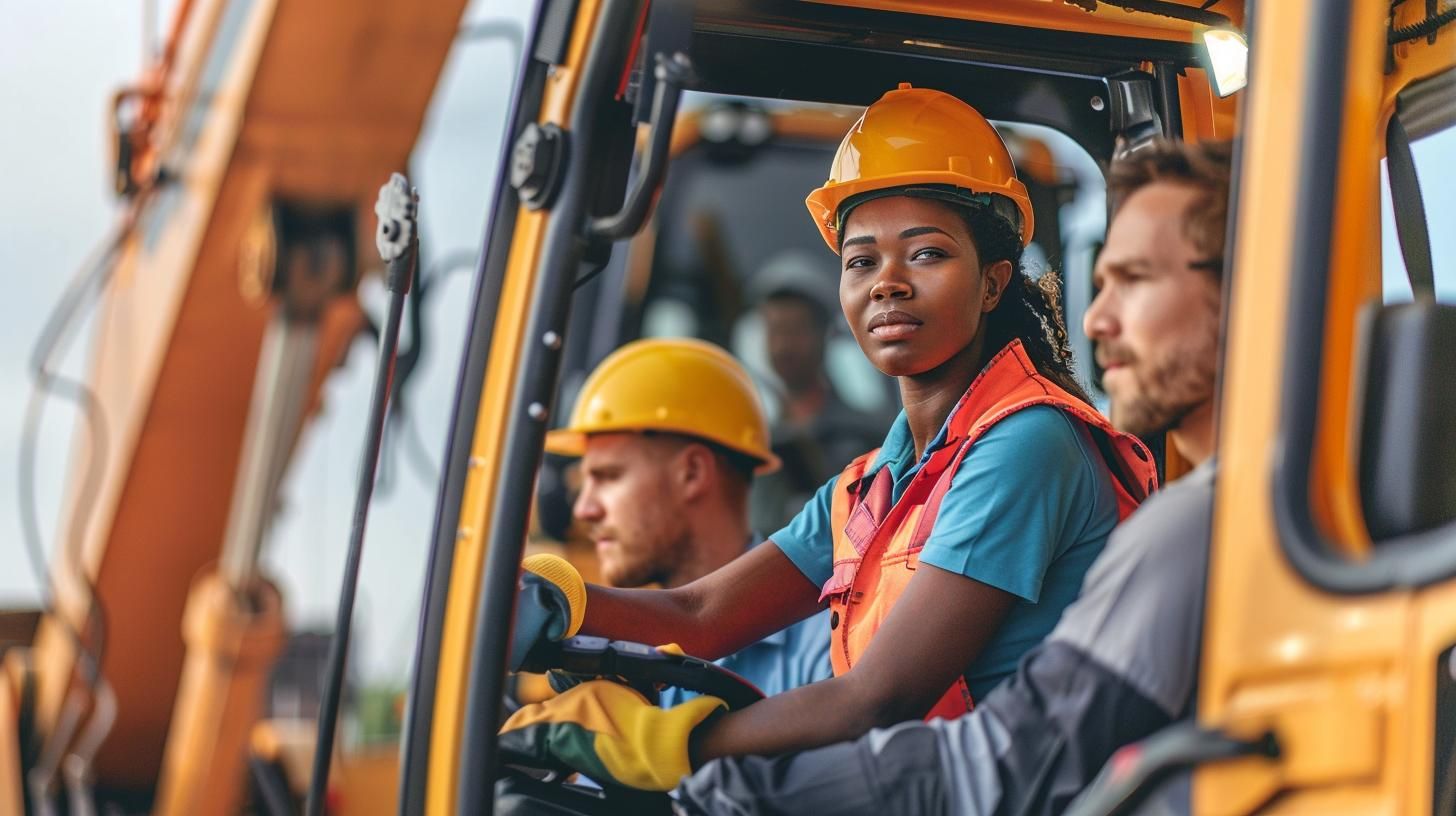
pixel 673 73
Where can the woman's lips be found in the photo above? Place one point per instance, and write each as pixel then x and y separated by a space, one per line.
pixel 894 325
pixel 895 331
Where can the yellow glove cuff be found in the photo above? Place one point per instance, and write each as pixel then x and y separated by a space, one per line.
pixel 560 572
pixel 660 738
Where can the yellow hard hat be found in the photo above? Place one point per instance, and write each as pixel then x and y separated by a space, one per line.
pixel 929 141
pixel 676 385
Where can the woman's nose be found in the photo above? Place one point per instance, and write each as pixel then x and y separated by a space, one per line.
pixel 889 286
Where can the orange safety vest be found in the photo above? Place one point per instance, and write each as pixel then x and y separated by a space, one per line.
pixel 877 546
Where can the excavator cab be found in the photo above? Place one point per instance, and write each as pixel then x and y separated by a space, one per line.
pixel 578 259
pixel 1324 653
pixel 655 158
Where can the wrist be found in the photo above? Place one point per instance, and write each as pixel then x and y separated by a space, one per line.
pixel 702 742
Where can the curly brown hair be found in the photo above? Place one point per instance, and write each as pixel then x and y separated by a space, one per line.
pixel 1030 309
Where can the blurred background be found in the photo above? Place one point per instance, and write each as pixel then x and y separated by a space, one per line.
pixel 60 74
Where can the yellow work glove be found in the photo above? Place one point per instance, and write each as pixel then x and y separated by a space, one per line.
pixel 610 733
pixel 550 604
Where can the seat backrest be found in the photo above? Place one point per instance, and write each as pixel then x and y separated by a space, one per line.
pixel 1408 421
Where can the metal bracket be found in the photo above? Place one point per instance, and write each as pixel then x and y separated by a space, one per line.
pixel 673 74
pixel 538 163
pixel 1134 112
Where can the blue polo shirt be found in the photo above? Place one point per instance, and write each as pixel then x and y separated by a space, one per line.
pixel 787 659
pixel 1027 512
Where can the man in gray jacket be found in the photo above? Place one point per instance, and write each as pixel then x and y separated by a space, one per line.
pixel 1123 661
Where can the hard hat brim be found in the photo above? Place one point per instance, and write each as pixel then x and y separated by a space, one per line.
pixel 566 442
pixel 572 442
pixel 824 202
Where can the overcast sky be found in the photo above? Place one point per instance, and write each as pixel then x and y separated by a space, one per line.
pixel 58 75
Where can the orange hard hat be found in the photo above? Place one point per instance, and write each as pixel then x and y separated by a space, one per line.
pixel 674 385
pixel 919 141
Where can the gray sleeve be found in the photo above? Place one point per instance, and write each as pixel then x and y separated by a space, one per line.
pixel 1140 613
pixel 894 770
pixel 1120 665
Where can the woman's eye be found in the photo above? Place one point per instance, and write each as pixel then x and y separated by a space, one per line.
pixel 857 263
pixel 927 253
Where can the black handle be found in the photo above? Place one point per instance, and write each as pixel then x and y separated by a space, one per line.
pixel 641 666
pixel 1135 770
pixel 673 74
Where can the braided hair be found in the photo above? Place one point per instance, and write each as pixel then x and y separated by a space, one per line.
pixel 1029 310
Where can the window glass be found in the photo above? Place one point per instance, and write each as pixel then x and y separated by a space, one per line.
pixel 453 165
pixel 1435 157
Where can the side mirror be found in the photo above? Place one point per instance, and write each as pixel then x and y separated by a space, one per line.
pixel 1407 457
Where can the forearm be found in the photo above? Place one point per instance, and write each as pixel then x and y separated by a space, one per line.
pixel 750 598
pixel 655 617
pixel 834 710
pixel 937 628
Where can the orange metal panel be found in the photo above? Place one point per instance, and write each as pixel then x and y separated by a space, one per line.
pixel 1205 114
pixel 1056 15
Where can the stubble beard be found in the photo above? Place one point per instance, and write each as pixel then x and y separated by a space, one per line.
pixel 656 565
pixel 1168 389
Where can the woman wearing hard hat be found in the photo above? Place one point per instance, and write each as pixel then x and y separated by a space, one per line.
pixel 945 554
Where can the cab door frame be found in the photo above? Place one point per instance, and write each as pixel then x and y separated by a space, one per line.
pixel 571 85
pixel 1311 634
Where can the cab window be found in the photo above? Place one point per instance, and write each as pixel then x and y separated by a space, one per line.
pixel 1435 159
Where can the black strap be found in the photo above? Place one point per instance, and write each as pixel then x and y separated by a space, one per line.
pixel 1116 466
pixel 1410 210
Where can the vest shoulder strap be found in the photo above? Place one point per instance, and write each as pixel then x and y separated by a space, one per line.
pixel 847 489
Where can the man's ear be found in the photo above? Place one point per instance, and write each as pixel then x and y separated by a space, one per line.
pixel 696 471
pixel 998 277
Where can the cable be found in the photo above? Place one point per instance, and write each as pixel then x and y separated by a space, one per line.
pixel 1164 8
pixel 403 430
pixel 50 347
pixel 1424 28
